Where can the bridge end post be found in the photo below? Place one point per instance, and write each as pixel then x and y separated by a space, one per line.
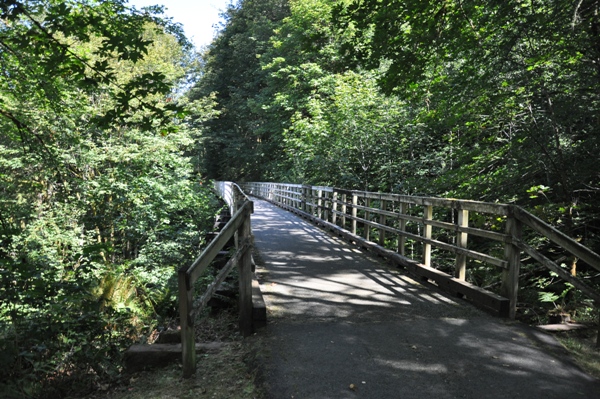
pixel 597 303
pixel 510 276
pixel 245 276
pixel 188 335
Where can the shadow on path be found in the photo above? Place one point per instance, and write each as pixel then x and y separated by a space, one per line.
pixel 340 318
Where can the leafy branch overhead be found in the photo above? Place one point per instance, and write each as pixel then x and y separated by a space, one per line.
pixel 42 42
pixel 100 199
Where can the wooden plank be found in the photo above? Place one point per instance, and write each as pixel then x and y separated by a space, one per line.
pixel 480 297
pixel 558 237
pixel 500 237
pixel 142 357
pixel 474 206
pixel 471 254
pixel 324 188
pixel 492 235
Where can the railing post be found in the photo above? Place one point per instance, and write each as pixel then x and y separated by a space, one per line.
pixel 319 203
pixel 382 221
pixel 245 277
pixel 512 253
pixel 367 232
pixel 427 216
pixel 188 334
pixel 334 204
pixel 402 227
pixel 354 214
pixel 344 210
pixel 598 337
pixel 325 206
pixel 304 196
pixel 460 271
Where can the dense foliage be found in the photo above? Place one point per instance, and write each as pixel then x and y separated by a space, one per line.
pixel 492 101
pixel 100 201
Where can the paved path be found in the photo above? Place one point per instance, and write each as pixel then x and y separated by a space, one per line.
pixel 343 325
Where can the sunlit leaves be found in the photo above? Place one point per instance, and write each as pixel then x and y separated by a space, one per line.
pixel 98 195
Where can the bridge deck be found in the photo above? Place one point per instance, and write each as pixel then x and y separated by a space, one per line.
pixel 344 325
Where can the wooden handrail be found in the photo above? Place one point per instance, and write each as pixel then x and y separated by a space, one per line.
pixel 558 237
pixel 239 226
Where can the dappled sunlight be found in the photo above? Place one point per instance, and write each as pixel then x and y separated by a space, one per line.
pixel 308 272
pixel 414 366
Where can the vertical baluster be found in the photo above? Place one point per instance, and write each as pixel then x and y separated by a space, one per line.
pixel 460 271
pixel 326 205
pixel 334 205
pixel 344 210
pixel 367 217
pixel 382 221
pixel 354 213
pixel 427 216
pixel 402 227
pixel 319 203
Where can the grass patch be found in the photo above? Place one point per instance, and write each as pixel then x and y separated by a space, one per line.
pixel 581 344
pixel 227 374
pixel 222 375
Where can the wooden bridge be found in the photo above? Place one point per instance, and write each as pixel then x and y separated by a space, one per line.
pixel 439 241
pixel 400 228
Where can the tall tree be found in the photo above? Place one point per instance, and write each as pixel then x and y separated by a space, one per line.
pixel 239 145
pixel 513 86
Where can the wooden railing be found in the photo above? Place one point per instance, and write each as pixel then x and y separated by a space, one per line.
pixel 468 234
pixel 239 227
